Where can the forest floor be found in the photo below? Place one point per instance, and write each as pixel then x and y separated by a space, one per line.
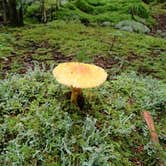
pixel 160 26
pixel 60 41
pixel 39 125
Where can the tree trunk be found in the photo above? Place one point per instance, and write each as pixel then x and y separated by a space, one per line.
pixel 15 16
pixel 58 4
pixel 20 16
pixel 43 12
pixel 5 9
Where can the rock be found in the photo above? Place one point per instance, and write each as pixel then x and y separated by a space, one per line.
pixel 106 23
pixel 132 26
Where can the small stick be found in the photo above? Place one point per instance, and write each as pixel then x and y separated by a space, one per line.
pixel 153 134
pixel 149 120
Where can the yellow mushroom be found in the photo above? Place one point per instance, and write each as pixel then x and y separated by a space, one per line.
pixel 79 76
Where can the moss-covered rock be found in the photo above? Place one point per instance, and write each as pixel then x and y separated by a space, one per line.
pixel 132 26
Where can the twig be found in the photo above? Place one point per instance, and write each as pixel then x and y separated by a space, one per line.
pixel 154 137
pixel 149 120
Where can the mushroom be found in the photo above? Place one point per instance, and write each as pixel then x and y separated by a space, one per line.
pixel 79 76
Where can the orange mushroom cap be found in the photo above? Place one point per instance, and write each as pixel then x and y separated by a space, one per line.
pixel 79 75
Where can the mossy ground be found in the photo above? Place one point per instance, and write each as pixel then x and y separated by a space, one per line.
pixel 98 11
pixel 63 41
pixel 39 125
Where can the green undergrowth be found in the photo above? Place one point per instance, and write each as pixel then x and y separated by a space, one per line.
pixel 158 8
pixel 6 42
pixel 39 125
pixel 43 43
pixel 98 11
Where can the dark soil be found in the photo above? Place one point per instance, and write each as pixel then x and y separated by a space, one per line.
pixel 105 62
pixel 160 28
pixel 27 61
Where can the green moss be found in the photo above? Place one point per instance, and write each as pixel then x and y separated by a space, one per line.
pixel 39 125
pixel 96 11
pixel 6 40
pixel 97 2
pixel 84 6
pixel 138 52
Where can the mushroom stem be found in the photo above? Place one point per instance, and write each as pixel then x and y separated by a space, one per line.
pixel 75 92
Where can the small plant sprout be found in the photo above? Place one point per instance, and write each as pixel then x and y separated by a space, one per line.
pixel 78 76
